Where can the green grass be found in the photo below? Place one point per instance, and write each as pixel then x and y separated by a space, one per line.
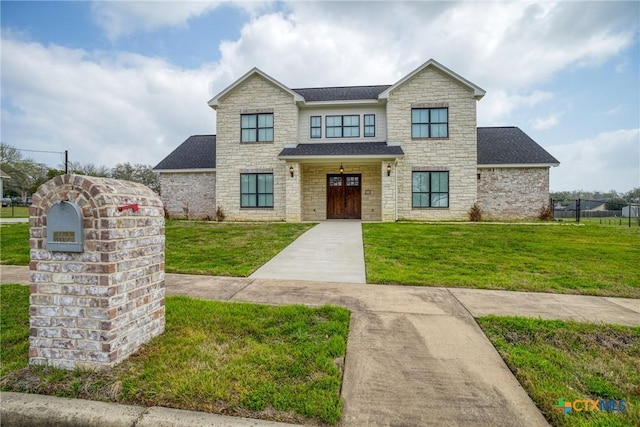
pixel 14 212
pixel 218 249
pixel 14 327
pixel 283 363
pixel 555 359
pixel 14 244
pixel 586 259
pixel 225 249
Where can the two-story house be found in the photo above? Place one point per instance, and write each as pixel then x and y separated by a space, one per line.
pixel 411 150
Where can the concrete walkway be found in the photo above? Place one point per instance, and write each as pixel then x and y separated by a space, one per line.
pixel 415 355
pixel 332 251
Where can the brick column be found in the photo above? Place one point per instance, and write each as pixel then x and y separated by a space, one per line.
pixel 92 309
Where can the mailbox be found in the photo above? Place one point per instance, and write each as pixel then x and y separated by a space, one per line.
pixel 65 231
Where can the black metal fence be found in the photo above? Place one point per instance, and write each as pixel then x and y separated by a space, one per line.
pixel 581 210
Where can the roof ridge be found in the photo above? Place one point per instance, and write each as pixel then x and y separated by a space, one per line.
pixel 497 127
pixel 339 87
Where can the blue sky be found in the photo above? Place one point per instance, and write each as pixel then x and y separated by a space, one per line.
pixel 129 81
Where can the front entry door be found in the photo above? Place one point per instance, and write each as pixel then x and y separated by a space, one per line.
pixel 344 196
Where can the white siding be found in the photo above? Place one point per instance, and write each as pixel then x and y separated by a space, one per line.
pixel 304 130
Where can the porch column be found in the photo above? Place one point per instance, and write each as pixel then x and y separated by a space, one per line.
pixel 389 190
pixel 293 192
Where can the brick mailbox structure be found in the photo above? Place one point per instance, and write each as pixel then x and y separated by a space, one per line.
pixel 97 271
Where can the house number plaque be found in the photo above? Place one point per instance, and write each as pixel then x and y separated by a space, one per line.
pixel 64 228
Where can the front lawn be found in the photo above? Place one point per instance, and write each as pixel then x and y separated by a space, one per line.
pixel 217 249
pixel 587 259
pixel 281 363
pixel 14 244
pixel 560 362
pixel 225 249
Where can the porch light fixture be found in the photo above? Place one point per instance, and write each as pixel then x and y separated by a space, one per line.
pixel 291 170
pixel 341 168
pixel 388 169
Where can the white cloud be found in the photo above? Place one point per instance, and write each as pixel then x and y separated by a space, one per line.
pixel 610 160
pixel 110 107
pixel 118 18
pixel 104 108
pixel 544 123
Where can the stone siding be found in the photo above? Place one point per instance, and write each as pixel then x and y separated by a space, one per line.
pixel 190 195
pixel 513 193
pixel 314 189
pixel 234 157
pixel 457 153
pixel 94 308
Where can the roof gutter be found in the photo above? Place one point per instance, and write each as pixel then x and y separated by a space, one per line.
pixel 517 165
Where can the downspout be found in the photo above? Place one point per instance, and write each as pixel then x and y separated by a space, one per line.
pixel 395 168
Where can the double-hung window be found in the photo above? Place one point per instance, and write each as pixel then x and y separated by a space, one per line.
pixel 256 190
pixel 430 190
pixel 256 127
pixel 369 125
pixel 429 122
pixel 316 126
pixel 343 126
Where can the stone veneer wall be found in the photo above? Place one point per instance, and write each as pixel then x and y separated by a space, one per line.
pixel 189 194
pixel 314 189
pixel 513 193
pixel 94 308
pixel 233 158
pixel 457 153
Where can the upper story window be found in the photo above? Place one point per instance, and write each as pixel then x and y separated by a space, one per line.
pixel 429 122
pixel 316 126
pixel 369 125
pixel 343 126
pixel 256 127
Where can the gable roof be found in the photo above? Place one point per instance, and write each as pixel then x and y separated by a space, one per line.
pixel 342 93
pixel 510 146
pixel 196 152
pixel 349 149
pixel 215 101
pixel 478 92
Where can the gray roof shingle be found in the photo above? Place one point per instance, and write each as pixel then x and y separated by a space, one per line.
pixel 510 145
pixel 496 146
pixel 345 93
pixel 343 149
pixel 197 152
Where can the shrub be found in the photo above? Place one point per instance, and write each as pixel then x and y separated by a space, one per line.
pixel 546 213
pixel 220 216
pixel 475 214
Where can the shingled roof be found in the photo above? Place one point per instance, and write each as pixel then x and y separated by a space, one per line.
pixel 197 152
pixel 377 149
pixel 343 93
pixel 496 146
pixel 510 146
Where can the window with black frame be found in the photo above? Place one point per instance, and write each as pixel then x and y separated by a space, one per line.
pixel 256 127
pixel 429 123
pixel 430 190
pixel 256 190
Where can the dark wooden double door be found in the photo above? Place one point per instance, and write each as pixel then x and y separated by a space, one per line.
pixel 344 196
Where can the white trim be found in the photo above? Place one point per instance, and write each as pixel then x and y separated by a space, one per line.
pixel 518 165
pixel 478 92
pixel 215 101
pixel 336 157
pixel 185 170
pixel 350 102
